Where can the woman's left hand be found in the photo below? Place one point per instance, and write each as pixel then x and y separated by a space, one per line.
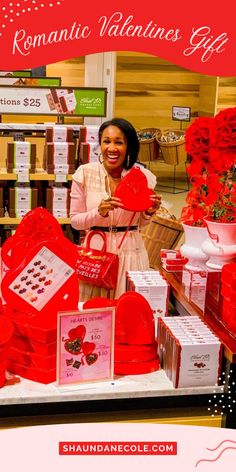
pixel 156 199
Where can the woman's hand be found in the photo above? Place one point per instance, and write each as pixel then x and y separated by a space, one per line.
pixel 156 199
pixel 109 204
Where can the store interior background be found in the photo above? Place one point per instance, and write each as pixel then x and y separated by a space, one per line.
pixel 142 88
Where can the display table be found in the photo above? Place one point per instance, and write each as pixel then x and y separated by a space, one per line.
pixel 124 397
pixel 152 393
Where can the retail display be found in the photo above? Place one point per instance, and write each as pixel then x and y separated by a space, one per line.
pixel 194 283
pixel 21 155
pixel 40 281
pixel 153 287
pixel 58 201
pixel 189 352
pixel 135 344
pixel 172 260
pixel 21 200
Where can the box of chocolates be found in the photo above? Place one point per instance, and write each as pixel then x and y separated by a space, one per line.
pixel 153 287
pixel 194 282
pixel 58 201
pixel 59 134
pixel 89 152
pixel 21 200
pixel 190 353
pixel 172 260
pixel 89 134
pixel 21 155
pixel 59 153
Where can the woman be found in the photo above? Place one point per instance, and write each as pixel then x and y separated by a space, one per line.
pixel 93 203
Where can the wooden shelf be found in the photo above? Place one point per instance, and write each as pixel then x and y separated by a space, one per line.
pixel 5 220
pixel 38 175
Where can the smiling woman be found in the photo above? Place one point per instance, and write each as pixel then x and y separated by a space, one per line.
pixel 94 206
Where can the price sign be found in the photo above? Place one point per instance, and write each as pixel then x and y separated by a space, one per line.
pixel 85 346
pixel 23 176
pixel 36 100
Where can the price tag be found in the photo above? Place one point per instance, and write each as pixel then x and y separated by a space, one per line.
pixel 23 176
pixel 60 178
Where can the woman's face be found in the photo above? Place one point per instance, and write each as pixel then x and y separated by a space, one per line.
pixel 113 148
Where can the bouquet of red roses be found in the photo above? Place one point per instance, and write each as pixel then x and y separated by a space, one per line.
pixel 211 145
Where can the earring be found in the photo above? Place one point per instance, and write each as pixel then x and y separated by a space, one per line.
pixel 128 161
pixel 100 158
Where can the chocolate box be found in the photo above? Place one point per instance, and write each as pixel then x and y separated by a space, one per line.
pixel 29 345
pixel 89 152
pixel 58 201
pixel 189 351
pixel 44 376
pixel 19 154
pixel 62 153
pixel 88 133
pixel 21 200
pixel 59 134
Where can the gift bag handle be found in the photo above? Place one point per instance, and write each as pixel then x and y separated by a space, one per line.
pixel 93 233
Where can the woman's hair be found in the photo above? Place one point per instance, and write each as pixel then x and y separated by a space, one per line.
pixel 132 139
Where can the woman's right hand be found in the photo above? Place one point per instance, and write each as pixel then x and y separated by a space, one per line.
pixel 109 204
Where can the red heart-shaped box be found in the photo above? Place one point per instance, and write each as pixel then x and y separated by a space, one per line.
pixel 134 322
pixel 88 347
pixel 29 345
pixel 78 332
pixel 99 302
pixel 31 359
pixel 36 374
pixel 134 192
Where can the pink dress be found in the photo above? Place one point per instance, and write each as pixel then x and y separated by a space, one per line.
pixel 87 190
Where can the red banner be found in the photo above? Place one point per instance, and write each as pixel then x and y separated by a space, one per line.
pixel 189 34
pixel 102 448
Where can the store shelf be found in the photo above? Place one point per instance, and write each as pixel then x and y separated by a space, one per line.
pixel 155 384
pixel 40 174
pixel 5 220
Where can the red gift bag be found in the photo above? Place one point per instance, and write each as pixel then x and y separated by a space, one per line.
pixel 97 267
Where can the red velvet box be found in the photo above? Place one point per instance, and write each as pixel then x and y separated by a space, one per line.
pixel 44 376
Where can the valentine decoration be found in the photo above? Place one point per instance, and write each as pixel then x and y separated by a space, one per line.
pixel 40 281
pixel 133 191
pixel 97 267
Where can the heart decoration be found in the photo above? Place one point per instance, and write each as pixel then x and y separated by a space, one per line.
pixel 78 332
pixel 134 192
pixel 73 347
pixel 88 347
pixel 90 356
pixel 74 344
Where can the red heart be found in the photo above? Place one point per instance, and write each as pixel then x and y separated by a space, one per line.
pixel 91 358
pixel 88 348
pixel 78 332
pixel 134 192
pixel 73 346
